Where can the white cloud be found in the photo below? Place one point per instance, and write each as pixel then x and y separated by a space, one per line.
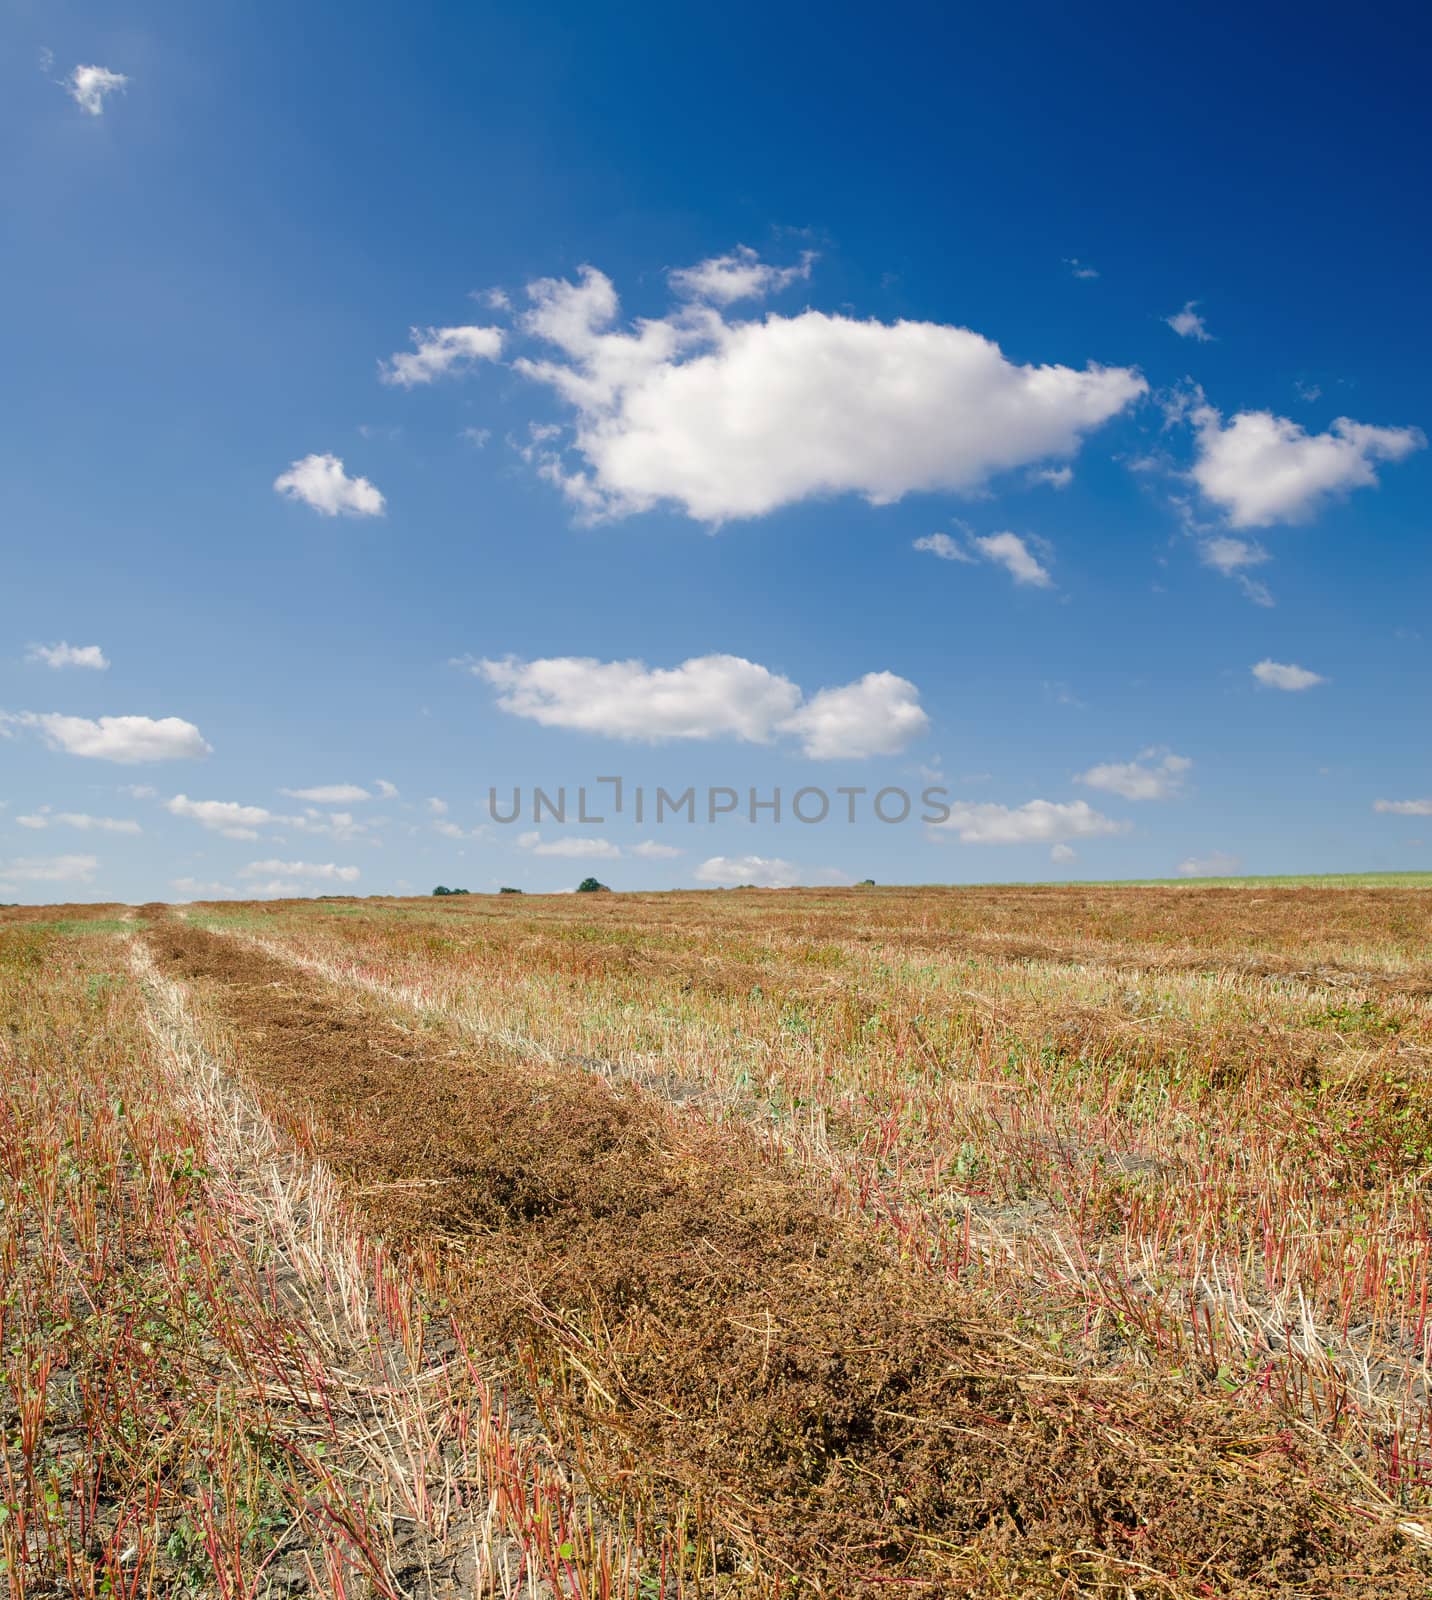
pixel 1403 808
pixel 340 825
pixel 47 869
pixel 1061 854
pixel 707 697
pixel 323 872
pixel 765 872
pixel 942 545
pixel 139 791
pixel 1187 324
pixel 386 790
pixel 1156 775
pixel 198 890
pixel 1214 865
pixel 1263 469
pixel 876 716
pixel 731 419
pixel 321 482
pixel 228 817
pixel 1055 477
pixel 332 794
pixel 571 848
pixel 1080 269
pixel 440 351
pixel 652 850
pixel 438 808
pixel 740 275
pixel 1035 822
pixel 123 739
pixel 1284 675
pixel 1009 551
pixel 68 655
pixel 88 86
pixel 78 819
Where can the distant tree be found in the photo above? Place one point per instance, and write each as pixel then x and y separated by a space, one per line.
pixel 505 890
pixel 591 886
pixel 866 883
pixel 443 889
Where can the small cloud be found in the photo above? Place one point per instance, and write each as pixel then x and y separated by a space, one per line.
pixel 1055 477
pixel 1214 865
pixel 1062 854
pixel 1005 550
pixel 1285 675
pixel 476 437
pixel 436 807
pixel 1232 557
pixel 651 850
pixel 764 872
pixel 1396 808
pixel 1158 774
pixel 197 890
pixel 45 818
pixel 439 352
pixel 89 86
pixel 329 794
pixel 122 739
pixel 1187 324
pixel 47 869
pixel 739 275
pixel 942 545
pixel 228 817
pixel 1080 269
pixel 570 848
pixel 320 481
pixel 386 790
pixel 1009 551
pixel 320 872
pixel 1307 391
pixel 68 655
pixel 1036 822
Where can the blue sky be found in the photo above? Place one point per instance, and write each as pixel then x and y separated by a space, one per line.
pixel 425 400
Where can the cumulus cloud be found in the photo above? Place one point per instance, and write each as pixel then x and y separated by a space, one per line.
pixel 1061 855
pixel 1009 551
pixel 1261 469
pixel 654 850
pixel 1214 865
pixel 1284 675
pixel 707 697
pixel 321 872
pixel 765 872
pixel 877 715
pixel 739 275
pixel 322 482
pixel 1055 477
pixel 386 790
pixel 729 419
pixel 946 548
pixel 1156 775
pixel 440 351
pixel 572 848
pixel 335 794
pixel 124 739
pixel 47 869
pixel 1005 550
pixel 227 817
pixel 1187 324
pixel 45 818
pixel 68 655
pixel 1402 808
pixel 88 87
pixel 1035 822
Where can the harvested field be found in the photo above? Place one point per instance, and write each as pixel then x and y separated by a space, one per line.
pixel 979 1242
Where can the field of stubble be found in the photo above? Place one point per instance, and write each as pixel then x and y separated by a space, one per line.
pixel 757 1243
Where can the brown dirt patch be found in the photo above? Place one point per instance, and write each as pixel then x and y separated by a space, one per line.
pixel 720 1335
